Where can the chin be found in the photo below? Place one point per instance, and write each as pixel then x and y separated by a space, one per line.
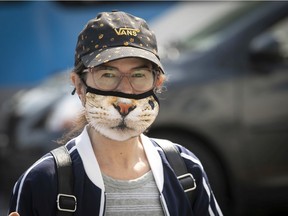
pixel 120 131
pixel 120 134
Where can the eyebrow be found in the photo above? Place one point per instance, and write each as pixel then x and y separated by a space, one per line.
pixel 105 67
pixel 144 65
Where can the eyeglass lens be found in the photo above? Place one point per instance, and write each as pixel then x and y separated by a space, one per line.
pixel 141 79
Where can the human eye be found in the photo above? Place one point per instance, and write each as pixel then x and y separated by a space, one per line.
pixel 107 72
pixel 141 73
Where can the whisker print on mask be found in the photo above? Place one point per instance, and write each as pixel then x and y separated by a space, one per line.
pixel 120 118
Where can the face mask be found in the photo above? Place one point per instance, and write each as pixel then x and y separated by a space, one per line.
pixel 119 116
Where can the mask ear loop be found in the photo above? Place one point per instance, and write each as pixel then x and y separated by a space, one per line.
pixel 73 92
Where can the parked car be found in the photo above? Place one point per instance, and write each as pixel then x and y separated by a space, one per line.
pixel 226 100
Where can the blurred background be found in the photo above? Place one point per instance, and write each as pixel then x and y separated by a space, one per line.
pixel 226 98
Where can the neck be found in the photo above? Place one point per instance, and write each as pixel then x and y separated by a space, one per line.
pixel 119 159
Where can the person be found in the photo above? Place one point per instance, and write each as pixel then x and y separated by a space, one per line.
pixel 117 169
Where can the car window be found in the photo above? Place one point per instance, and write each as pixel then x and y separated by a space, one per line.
pixel 280 32
pixel 271 47
pixel 211 33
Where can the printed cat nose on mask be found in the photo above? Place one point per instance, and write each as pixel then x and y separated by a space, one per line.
pixel 124 108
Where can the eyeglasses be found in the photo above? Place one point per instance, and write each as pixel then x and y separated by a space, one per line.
pixel 108 78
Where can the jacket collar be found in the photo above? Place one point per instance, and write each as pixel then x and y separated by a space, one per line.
pixel 92 169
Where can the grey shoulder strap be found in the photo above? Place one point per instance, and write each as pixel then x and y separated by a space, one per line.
pixel 66 201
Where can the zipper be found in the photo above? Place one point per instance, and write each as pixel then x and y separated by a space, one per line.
pixel 104 208
pixel 164 206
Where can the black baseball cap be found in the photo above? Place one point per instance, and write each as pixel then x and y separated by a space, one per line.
pixel 114 35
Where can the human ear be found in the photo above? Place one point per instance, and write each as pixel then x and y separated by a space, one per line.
pixel 79 87
pixel 160 80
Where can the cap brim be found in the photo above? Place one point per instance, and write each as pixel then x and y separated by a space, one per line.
pixel 109 54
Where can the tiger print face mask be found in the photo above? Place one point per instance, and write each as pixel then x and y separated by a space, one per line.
pixel 120 116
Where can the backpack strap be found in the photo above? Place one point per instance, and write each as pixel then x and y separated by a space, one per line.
pixel 175 160
pixel 66 201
